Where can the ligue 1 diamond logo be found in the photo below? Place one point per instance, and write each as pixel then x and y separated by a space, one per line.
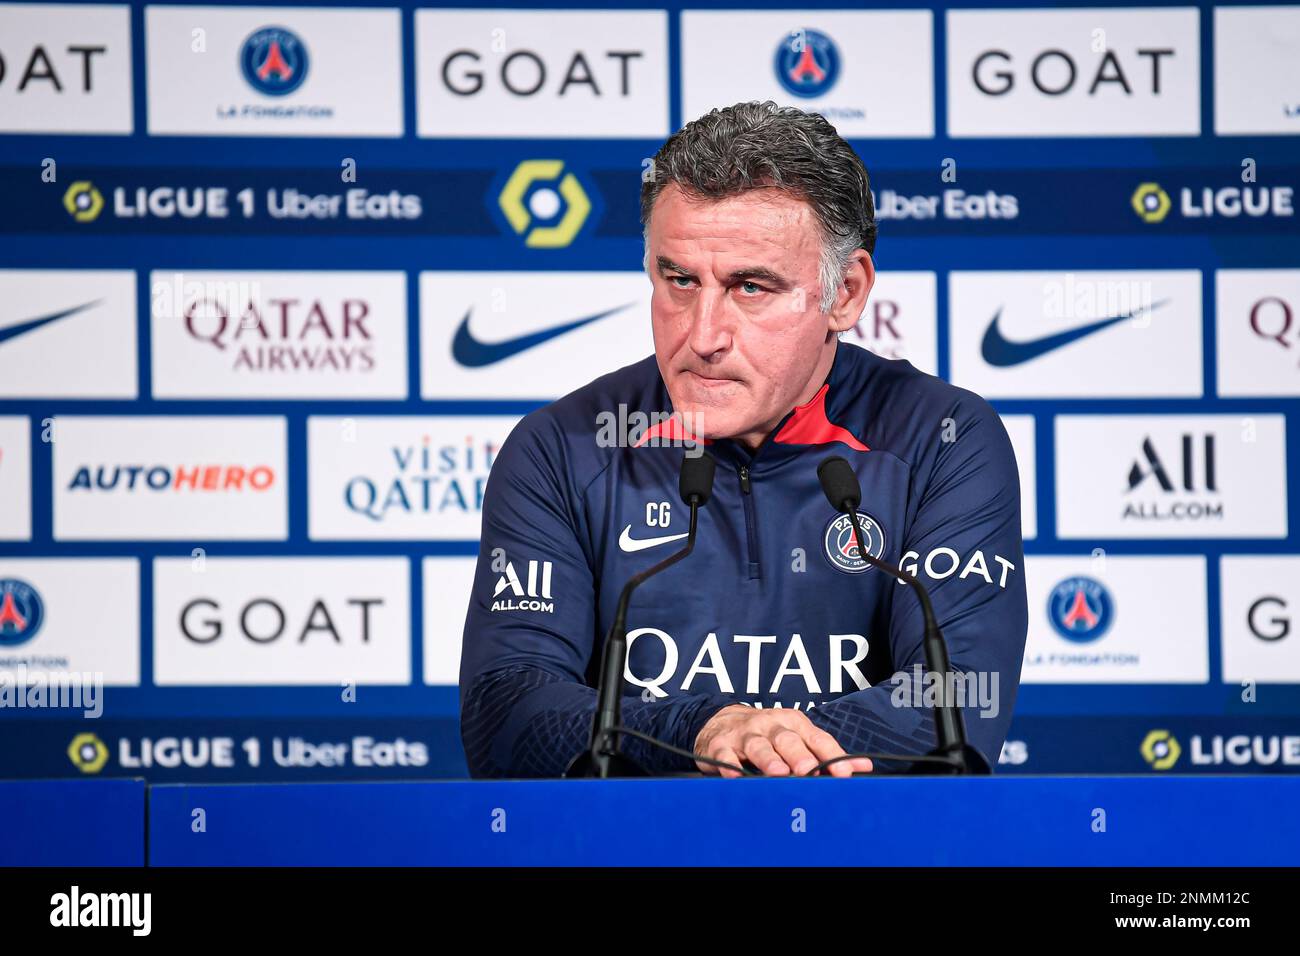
pixel 274 61
pixel 1080 609
pixel 21 612
pixel 807 63
pixel 842 546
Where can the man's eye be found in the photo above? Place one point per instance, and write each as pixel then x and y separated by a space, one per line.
pixel 680 281
pixel 750 288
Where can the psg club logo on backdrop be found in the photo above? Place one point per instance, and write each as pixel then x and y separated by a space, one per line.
pixel 274 61
pixel 1080 609
pixel 21 612
pixel 807 63
pixel 842 547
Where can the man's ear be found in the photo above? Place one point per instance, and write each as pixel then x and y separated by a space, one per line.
pixel 859 277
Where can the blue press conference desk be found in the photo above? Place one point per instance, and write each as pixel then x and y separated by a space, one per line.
pixel 997 821
pixel 72 822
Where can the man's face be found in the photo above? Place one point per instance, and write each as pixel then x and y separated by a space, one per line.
pixel 737 325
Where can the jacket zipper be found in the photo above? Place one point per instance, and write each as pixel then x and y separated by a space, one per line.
pixel 751 534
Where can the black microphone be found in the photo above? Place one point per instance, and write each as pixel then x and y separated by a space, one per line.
pixel 602 759
pixel 840 485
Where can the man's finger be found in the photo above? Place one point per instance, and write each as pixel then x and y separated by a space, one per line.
pixel 826 747
pixel 760 752
pixel 730 756
pixel 790 745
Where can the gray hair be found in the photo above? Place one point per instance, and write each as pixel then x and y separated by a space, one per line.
pixel 761 145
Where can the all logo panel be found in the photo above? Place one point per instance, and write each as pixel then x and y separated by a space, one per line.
pixel 1171 476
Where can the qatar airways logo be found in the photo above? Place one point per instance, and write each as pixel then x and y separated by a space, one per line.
pixel 279 334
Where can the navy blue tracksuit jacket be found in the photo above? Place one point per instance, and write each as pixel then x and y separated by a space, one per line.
pixel 774 608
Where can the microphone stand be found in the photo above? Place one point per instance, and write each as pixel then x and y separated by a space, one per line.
pixel 953 752
pixel 603 759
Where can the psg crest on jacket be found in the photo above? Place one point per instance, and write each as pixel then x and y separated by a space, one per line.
pixel 842 545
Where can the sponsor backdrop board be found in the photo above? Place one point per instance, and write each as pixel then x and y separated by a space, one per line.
pixel 279 280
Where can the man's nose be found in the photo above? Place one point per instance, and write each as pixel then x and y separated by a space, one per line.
pixel 710 326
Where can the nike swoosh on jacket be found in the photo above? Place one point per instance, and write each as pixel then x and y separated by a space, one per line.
pixel 774 608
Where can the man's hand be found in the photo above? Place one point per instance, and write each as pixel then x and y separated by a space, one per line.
pixel 778 742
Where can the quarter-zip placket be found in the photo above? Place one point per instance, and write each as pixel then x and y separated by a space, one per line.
pixel 751 532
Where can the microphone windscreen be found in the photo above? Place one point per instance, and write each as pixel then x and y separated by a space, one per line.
pixel 839 483
pixel 697 477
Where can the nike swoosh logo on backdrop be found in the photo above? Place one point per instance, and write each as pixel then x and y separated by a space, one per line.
pixel 630 544
pixel 472 353
pixel 13 331
pixel 1000 352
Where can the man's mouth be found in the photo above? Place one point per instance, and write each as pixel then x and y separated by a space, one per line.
pixel 708 381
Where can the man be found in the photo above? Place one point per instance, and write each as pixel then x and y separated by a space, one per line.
pixel 774 645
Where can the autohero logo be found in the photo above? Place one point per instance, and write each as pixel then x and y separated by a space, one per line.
pixel 533 596
pixel 162 479
pixel 76 908
pixel 742 665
